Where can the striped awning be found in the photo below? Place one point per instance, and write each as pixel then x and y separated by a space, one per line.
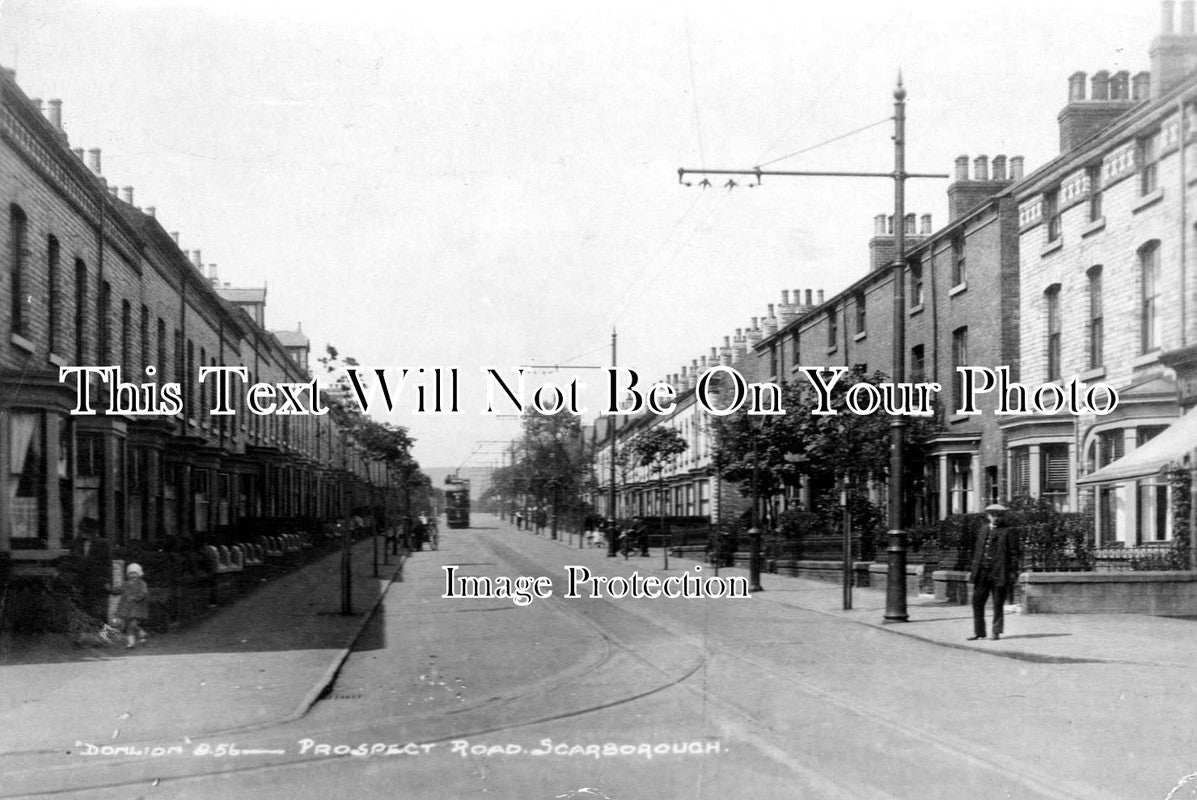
pixel 1169 447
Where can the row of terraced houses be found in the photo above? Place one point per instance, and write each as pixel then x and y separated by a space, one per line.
pixel 91 279
pixel 1084 268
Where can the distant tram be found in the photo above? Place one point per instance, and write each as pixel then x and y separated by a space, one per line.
pixel 457 506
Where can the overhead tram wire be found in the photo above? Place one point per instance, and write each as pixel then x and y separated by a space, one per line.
pixel 828 141
pixel 865 41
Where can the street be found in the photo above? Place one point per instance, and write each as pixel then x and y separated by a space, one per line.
pixel 446 698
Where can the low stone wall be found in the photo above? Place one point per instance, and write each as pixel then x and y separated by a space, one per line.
pixel 831 571
pixel 879 577
pixel 1163 593
pixel 953 586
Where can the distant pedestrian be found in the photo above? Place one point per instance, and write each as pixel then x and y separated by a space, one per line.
pixel 995 569
pixel 640 535
pixel 134 605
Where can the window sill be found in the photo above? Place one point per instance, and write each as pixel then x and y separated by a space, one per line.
pixel 1051 247
pixel 21 342
pixel 914 310
pixel 956 418
pixel 1149 199
pixel 957 289
pixel 1093 227
pixel 859 336
pixel 832 350
pixel 1147 358
pixel 1092 375
pixel 57 360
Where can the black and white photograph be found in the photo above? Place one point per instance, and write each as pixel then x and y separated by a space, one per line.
pixel 610 401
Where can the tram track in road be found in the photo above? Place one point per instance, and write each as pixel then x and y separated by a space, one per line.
pixel 966 751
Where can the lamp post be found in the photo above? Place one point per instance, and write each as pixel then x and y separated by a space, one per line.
pixel 754 532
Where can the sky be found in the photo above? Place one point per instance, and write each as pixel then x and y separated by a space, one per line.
pixel 494 185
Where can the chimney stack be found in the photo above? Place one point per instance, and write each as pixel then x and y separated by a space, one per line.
pixel 965 195
pixel 175 235
pixel 93 160
pixel 197 261
pixel 1173 52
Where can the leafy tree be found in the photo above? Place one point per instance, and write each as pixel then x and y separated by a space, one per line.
pixel 554 468
pixel 823 449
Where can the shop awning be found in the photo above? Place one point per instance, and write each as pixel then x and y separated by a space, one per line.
pixel 1169 447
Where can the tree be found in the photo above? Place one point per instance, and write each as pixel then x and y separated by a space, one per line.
pixel 382 440
pixel 822 449
pixel 653 449
pixel 555 464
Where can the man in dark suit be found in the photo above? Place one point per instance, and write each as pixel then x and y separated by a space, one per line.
pixel 995 568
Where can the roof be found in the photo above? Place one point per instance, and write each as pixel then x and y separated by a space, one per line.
pixel 234 295
pixel 292 338
pixel 1171 446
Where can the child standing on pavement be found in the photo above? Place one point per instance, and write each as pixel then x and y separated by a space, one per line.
pixel 134 605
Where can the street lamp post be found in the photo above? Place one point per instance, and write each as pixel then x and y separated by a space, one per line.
pixel 754 532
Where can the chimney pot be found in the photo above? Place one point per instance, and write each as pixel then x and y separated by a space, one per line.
pixel 962 168
pixel 1141 86
pixel 55 113
pixel 93 160
pixel 925 222
pixel 1186 16
pixel 197 260
pixel 151 210
pixel 879 225
pixel 1016 168
pixel 1076 86
pixel 820 297
pixel 771 315
pixel 910 224
pixel 1120 85
pixel 175 235
pixel 999 168
pixel 785 297
pixel 113 190
pixel 981 168
pixel 889 224
pixel 808 298
pixel 212 274
pixel 726 343
pixel 1166 22
pixel 1101 85
pixel 128 194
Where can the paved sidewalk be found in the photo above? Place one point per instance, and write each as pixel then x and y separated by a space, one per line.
pixel 262 659
pixel 1047 638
